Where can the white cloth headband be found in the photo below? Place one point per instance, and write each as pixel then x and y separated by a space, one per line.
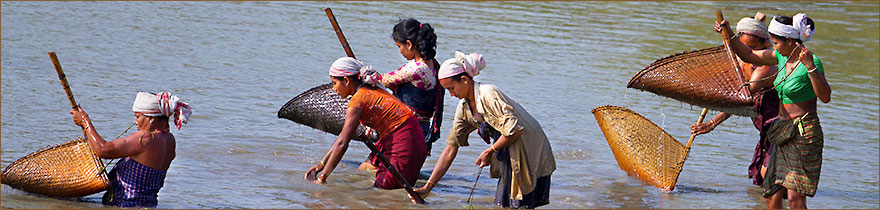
pixel 162 104
pixel 470 64
pixel 797 30
pixel 348 66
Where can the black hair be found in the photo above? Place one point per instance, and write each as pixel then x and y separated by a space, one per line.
pixel 789 21
pixel 352 78
pixel 458 76
pixel 420 34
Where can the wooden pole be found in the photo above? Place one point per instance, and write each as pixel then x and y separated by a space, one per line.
pixel 339 34
pixel 63 78
pixel 726 33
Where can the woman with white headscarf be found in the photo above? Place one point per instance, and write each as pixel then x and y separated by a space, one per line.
pixel 400 137
pixel 753 33
pixel 136 179
pixel 520 156
pixel 796 162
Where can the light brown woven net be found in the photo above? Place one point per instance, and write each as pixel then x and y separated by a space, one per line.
pixel 70 169
pixel 641 148
pixel 704 78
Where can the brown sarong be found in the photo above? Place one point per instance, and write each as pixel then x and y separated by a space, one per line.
pixel 797 157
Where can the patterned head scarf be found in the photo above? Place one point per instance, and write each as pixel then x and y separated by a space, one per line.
pixel 468 63
pixel 162 104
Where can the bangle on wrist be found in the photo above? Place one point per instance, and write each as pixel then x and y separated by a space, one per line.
pixel 811 70
pixel 493 147
pixel 712 121
pixel 88 126
pixel 431 183
pixel 322 163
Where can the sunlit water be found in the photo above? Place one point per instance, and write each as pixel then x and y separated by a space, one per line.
pixel 237 63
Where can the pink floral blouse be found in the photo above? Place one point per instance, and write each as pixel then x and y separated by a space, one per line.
pixel 418 73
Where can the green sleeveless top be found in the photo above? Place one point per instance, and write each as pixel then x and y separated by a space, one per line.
pixel 797 87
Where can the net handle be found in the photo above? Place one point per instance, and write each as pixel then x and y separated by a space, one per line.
pixel 726 33
pixel 687 148
pixel 64 83
pixel 339 34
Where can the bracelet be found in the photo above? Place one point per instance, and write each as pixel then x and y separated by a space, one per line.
pixel 322 163
pixel 812 70
pixel 493 148
pixel 431 183
pixel 87 127
pixel 712 121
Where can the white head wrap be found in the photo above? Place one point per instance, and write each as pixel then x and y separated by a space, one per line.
pixel 162 104
pixel 468 63
pixel 348 66
pixel 797 30
pixel 752 26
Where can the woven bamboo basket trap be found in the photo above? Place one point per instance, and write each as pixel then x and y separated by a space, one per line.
pixel 704 78
pixel 320 108
pixel 642 149
pixel 69 169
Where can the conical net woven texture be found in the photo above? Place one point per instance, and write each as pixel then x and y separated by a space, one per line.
pixel 320 108
pixel 704 78
pixel 641 148
pixel 70 169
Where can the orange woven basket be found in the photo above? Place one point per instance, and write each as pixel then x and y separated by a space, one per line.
pixel 641 148
pixel 704 78
pixel 70 169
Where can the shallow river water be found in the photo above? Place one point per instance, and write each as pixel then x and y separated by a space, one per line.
pixel 237 63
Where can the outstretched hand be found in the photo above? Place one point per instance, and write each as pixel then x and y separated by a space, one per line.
pixel 701 128
pixel 423 191
pixel 312 174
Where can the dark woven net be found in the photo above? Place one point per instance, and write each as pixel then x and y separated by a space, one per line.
pixel 320 108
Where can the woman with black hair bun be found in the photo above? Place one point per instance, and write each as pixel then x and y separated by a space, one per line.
pixel 416 83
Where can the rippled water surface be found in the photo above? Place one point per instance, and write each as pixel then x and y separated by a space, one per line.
pixel 237 63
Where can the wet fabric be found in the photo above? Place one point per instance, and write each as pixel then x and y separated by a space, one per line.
pixel 380 110
pixel 133 185
pixel 797 157
pixel 795 86
pixel 538 197
pixel 405 149
pixel 767 107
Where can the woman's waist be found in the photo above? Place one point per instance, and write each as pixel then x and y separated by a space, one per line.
pixel 795 110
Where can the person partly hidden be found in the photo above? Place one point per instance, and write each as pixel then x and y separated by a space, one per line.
pixel 146 155
pixel 520 156
pixel 416 83
pixel 400 137
pixel 752 32
pixel 796 162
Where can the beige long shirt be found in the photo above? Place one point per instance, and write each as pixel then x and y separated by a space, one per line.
pixel 530 156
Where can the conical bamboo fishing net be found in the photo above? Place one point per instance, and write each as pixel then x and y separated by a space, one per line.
pixel 641 148
pixel 320 108
pixel 704 78
pixel 70 169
